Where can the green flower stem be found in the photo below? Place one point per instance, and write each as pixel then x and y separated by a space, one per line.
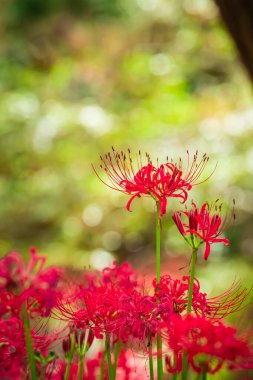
pixel 185 367
pixel 204 376
pixel 108 356
pixel 70 358
pixel 150 357
pixel 116 357
pixel 29 344
pixel 158 278
pixel 189 304
pixel 192 275
pixel 80 367
pixel 158 244
pixel 174 376
pixel 159 358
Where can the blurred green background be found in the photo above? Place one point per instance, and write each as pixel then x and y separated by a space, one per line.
pixel 77 76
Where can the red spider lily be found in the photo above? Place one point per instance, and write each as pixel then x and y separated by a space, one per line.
pixel 208 345
pixel 204 225
pixel 158 181
pixel 139 317
pixel 218 307
pixel 12 343
pixel 119 314
pixel 13 354
pixel 112 303
pixel 177 291
pixel 31 284
pixel 117 276
pixel 94 304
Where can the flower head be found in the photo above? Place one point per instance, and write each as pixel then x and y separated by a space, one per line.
pixel 208 345
pixel 12 353
pixel 159 181
pixel 32 284
pixel 203 225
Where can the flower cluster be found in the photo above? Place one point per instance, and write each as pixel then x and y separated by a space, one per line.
pixel 112 306
pixel 105 325
pixel 27 292
pixel 209 345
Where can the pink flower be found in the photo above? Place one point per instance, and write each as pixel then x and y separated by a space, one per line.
pixel 157 181
pixel 204 225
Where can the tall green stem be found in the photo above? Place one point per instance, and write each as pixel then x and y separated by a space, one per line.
pixel 108 356
pixel 29 344
pixel 158 244
pixel 117 347
pixel 70 358
pixel 158 278
pixel 185 367
pixel 189 304
pixel 204 376
pixel 150 357
pixel 192 275
pixel 80 367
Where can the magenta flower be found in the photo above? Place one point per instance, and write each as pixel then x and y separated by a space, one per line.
pixel 204 225
pixel 159 181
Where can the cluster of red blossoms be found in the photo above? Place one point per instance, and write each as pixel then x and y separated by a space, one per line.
pixel 111 310
pixel 112 325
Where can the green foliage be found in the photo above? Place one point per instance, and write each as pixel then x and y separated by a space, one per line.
pixel 26 11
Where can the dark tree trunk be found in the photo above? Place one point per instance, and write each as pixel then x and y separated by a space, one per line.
pixel 238 17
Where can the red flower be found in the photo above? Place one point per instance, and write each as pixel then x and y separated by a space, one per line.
pixel 95 302
pixel 157 181
pixel 208 345
pixel 204 225
pixel 12 352
pixel 31 284
pixel 177 291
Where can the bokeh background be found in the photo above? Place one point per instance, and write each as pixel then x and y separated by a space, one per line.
pixel 78 76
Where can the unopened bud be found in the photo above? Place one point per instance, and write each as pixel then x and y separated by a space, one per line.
pixel 66 345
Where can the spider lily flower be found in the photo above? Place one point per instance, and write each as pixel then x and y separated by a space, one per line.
pixel 32 284
pixel 158 181
pixel 177 291
pixel 95 302
pixel 217 307
pixel 203 225
pixel 209 345
pixel 12 343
